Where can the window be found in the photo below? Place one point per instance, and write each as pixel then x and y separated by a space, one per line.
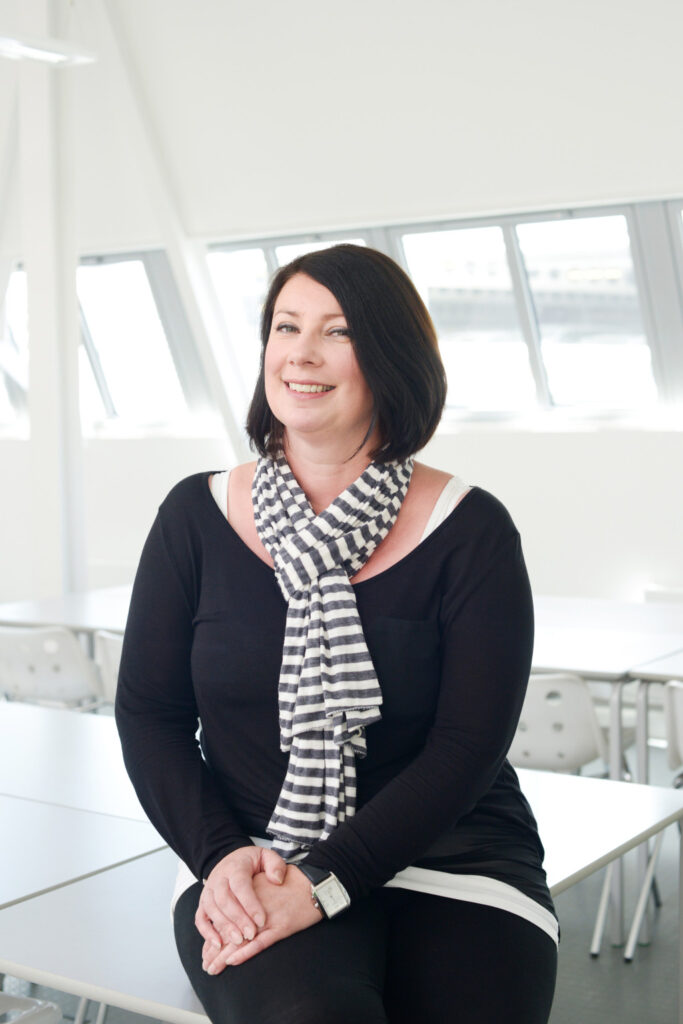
pixel 593 344
pixel 240 277
pixel 579 310
pixel 129 343
pixel 464 279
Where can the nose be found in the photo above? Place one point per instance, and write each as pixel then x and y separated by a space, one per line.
pixel 304 349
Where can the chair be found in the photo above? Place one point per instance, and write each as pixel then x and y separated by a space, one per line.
pixel 559 728
pixel 47 665
pixel 108 657
pixel 22 1010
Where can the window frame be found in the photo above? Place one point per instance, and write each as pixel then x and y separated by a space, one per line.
pixel 174 323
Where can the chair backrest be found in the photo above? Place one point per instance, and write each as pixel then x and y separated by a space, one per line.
pixel 46 665
pixel 673 711
pixel 558 729
pixel 108 656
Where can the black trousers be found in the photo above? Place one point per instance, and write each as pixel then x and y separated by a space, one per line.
pixel 395 957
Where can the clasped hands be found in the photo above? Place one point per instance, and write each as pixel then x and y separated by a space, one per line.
pixel 251 900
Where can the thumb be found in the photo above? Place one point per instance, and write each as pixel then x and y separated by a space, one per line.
pixel 274 866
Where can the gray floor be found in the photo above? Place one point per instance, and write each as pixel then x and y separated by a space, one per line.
pixel 605 990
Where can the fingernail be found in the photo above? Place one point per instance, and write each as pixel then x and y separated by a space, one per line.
pixel 249 933
pixel 211 969
pixel 230 962
pixel 237 938
pixel 259 919
pixel 280 877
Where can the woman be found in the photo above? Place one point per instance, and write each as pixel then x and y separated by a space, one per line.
pixel 356 641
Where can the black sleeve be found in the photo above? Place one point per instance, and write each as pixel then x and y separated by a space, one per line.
pixel 156 711
pixel 486 643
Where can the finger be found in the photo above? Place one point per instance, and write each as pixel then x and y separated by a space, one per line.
pixel 273 866
pixel 228 928
pixel 206 929
pixel 242 889
pixel 209 953
pixel 215 964
pixel 239 955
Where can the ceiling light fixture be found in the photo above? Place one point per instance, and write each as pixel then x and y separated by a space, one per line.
pixel 56 52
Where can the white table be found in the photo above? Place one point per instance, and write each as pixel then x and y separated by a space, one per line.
pixel 603 639
pixel 661 670
pixel 86 612
pixel 45 846
pixel 606 613
pixel 64 757
pixel 132 962
pixel 108 938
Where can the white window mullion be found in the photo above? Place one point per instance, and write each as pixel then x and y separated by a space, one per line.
pixel 96 367
pixel 527 314
pixel 655 244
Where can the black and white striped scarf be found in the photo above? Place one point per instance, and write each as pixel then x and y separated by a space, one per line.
pixel 328 689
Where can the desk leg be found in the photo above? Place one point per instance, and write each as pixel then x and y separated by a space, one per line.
pixel 615 769
pixel 680 928
pixel 643 776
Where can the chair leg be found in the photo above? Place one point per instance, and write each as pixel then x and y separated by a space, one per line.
pixel 656 896
pixel 81 1011
pixel 101 1013
pixel 601 916
pixel 643 898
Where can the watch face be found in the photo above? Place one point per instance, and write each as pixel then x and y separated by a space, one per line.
pixel 332 895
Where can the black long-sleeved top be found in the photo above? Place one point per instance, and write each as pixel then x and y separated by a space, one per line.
pixel 450 631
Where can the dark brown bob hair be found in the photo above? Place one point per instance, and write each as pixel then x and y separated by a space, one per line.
pixel 394 340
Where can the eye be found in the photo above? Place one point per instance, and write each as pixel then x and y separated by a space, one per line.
pixel 285 328
pixel 340 332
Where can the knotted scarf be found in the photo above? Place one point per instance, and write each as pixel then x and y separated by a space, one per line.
pixel 328 690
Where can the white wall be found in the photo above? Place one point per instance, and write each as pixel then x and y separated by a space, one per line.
pixel 285 116
pixel 599 511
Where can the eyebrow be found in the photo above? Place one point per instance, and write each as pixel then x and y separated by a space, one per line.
pixel 293 312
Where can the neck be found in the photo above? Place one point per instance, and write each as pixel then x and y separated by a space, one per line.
pixel 324 473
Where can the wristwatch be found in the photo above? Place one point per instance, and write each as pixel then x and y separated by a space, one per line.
pixel 327 892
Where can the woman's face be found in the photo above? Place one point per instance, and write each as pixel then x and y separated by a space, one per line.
pixel 314 384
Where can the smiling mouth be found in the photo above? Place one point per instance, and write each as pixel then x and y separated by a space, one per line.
pixel 308 388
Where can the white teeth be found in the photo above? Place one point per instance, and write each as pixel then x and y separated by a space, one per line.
pixel 308 387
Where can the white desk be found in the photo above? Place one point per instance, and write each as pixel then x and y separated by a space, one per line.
pixel 44 846
pixel 661 670
pixel 603 639
pixel 64 757
pixel 85 612
pixel 604 613
pixel 59 940
pixel 107 938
